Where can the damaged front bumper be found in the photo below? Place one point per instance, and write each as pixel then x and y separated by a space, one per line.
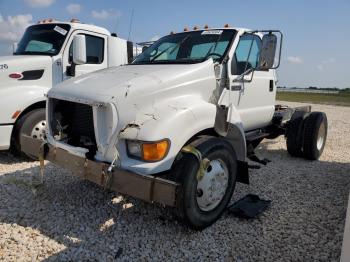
pixel 146 187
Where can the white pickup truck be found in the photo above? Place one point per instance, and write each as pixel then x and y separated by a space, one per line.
pixel 178 125
pixel 42 59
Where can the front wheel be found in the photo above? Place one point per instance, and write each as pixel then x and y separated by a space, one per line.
pixel 32 124
pixel 201 200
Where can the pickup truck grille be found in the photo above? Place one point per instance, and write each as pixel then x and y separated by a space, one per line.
pixel 73 124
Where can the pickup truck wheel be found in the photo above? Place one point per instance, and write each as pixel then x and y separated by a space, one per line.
pixel 315 135
pixel 201 201
pixel 294 134
pixel 32 124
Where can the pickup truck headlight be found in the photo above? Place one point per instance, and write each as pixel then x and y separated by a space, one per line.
pixel 148 151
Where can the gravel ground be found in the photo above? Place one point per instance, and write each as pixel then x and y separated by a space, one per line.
pixel 70 219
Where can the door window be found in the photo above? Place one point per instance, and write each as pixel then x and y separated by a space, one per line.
pixel 94 50
pixel 247 54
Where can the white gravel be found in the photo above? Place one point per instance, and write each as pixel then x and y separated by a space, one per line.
pixel 70 219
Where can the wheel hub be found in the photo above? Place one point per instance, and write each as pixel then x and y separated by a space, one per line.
pixel 212 187
pixel 321 136
pixel 38 131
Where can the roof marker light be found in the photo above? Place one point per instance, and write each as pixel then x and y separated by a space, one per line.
pixel 206 27
pixel 75 20
pixel 185 29
pixel 226 25
pixel 195 27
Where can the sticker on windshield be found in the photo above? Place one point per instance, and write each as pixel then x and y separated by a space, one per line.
pixel 60 30
pixel 212 32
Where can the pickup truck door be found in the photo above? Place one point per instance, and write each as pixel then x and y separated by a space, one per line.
pixel 254 95
pixel 96 54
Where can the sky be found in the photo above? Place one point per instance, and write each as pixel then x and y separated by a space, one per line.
pixel 316 32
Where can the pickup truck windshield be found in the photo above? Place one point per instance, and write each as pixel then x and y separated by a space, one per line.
pixel 43 39
pixel 188 47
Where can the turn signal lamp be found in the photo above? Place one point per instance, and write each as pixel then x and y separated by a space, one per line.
pixel 16 114
pixel 148 151
pixel 155 151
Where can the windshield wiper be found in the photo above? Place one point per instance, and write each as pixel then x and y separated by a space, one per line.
pixel 172 50
pixel 211 48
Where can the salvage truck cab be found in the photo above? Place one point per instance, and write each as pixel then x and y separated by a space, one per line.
pixel 42 59
pixel 178 124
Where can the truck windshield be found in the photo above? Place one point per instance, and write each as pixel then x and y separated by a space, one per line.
pixel 188 47
pixel 43 39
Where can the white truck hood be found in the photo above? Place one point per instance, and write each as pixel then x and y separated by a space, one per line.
pixel 20 64
pixel 128 81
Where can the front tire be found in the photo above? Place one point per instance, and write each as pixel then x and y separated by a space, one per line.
pixel 201 203
pixel 32 124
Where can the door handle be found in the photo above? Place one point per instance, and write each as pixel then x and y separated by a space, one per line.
pixel 271 85
pixel 236 87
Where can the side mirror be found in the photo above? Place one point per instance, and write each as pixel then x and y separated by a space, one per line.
pixel 268 51
pixel 14 47
pixel 79 50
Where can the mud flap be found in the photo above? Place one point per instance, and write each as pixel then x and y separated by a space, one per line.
pixel 249 206
pixel 242 172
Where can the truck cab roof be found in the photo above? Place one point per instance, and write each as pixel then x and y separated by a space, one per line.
pixel 79 25
pixel 215 28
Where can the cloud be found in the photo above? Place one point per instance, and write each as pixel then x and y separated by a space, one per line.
pixel 320 67
pixel 39 3
pixel 73 9
pixel 325 63
pixel 105 14
pixel 12 27
pixel 294 60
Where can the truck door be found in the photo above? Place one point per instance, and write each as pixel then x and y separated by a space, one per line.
pixel 254 95
pixel 96 54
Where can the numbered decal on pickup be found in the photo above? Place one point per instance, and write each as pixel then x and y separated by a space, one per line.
pixel 3 66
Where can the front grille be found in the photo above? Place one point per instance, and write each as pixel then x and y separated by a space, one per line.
pixel 73 124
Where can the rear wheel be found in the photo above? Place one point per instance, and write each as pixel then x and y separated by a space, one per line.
pixel 202 200
pixel 32 124
pixel 294 134
pixel 315 135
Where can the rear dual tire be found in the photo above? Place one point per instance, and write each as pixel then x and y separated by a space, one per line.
pixel 307 134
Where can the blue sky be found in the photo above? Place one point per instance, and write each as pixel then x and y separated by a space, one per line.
pixel 317 40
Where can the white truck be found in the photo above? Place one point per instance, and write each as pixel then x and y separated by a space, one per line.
pixel 178 125
pixel 42 59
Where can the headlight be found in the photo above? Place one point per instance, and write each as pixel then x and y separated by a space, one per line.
pixel 148 151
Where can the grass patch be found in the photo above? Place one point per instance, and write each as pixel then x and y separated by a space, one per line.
pixel 340 99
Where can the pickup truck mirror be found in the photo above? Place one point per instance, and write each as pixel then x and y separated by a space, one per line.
pixel 79 50
pixel 268 51
pixel 270 43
